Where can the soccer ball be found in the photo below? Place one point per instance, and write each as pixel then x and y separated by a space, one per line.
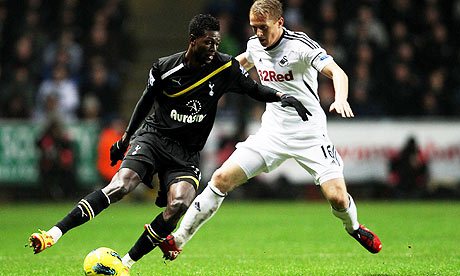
pixel 103 261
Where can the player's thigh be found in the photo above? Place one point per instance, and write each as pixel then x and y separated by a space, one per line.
pixel 321 160
pixel 180 183
pixel 261 152
pixel 180 196
pixel 183 192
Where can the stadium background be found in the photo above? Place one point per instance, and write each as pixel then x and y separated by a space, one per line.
pixel 71 72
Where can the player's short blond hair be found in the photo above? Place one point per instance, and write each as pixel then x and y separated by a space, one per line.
pixel 273 8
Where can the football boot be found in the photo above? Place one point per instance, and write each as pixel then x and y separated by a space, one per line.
pixel 125 271
pixel 169 248
pixel 40 241
pixel 367 239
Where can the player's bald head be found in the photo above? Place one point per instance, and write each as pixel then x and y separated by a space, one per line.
pixel 273 8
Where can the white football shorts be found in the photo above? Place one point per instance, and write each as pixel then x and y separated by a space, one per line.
pixel 264 152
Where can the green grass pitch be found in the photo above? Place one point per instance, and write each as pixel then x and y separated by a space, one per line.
pixel 248 238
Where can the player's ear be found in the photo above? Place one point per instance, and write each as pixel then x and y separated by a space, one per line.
pixel 281 21
pixel 192 40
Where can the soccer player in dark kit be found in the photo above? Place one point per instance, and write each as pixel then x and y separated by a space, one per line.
pixel 184 90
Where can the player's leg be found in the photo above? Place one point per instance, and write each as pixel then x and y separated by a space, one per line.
pixel 87 208
pixel 342 204
pixel 179 198
pixel 343 207
pixel 206 204
pixel 325 165
pixel 243 164
pixel 247 161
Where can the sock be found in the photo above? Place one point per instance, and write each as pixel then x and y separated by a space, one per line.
pixel 349 216
pixel 127 261
pixel 153 234
pixel 89 207
pixel 56 233
pixel 202 209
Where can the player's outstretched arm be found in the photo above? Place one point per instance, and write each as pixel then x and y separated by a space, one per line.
pixel 142 109
pixel 340 81
pixel 266 94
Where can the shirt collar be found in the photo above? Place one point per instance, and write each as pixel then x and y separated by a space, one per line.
pixel 277 42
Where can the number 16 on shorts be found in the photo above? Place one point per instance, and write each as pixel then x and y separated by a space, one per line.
pixel 330 152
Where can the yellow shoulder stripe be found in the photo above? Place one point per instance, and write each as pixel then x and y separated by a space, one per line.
pixel 228 64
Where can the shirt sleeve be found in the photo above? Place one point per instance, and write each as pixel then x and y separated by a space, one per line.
pixel 153 81
pixel 240 80
pixel 242 83
pixel 145 103
pixel 317 58
pixel 248 56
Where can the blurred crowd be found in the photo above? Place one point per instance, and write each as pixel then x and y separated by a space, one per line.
pixel 66 58
pixel 402 56
pixel 62 59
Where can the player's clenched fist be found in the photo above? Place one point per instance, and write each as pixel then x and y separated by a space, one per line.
pixel 117 152
pixel 288 100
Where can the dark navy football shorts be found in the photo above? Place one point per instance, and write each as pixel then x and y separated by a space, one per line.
pixel 150 153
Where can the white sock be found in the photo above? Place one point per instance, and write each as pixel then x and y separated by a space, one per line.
pixel 56 233
pixel 127 261
pixel 349 216
pixel 200 211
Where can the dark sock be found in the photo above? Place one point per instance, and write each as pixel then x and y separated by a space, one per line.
pixel 85 210
pixel 154 233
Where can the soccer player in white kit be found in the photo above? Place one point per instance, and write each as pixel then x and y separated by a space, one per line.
pixel 286 61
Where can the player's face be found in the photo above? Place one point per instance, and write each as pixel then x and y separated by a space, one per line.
pixel 206 46
pixel 267 30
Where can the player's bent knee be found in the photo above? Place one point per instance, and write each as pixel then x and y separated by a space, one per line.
pixel 222 181
pixel 116 191
pixel 179 206
pixel 122 184
pixel 175 210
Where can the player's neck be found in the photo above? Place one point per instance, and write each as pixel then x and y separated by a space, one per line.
pixel 191 61
pixel 277 40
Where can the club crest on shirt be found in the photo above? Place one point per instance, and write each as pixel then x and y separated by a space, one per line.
pixel 284 61
pixel 211 87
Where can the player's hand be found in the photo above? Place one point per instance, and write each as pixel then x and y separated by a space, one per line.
pixel 117 152
pixel 343 108
pixel 288 100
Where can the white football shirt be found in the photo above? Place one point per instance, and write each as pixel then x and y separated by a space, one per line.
pixel 291 66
